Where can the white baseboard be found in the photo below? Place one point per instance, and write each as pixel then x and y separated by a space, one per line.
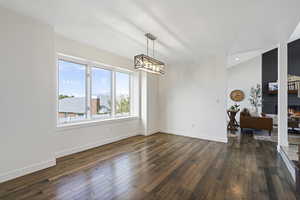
pixel 215 139
pixel 26 170
pixel 92 145
pixel 287 162
pixel 202 137
pixel 151 132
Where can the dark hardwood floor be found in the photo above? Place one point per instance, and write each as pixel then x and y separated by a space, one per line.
pixel 162 166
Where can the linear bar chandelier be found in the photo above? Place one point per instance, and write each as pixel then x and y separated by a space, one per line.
pixel 147 63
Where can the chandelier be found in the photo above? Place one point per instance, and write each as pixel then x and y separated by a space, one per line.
pixel 147 63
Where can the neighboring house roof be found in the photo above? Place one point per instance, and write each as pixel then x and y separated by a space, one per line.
pixel 72 105
pixel 77 104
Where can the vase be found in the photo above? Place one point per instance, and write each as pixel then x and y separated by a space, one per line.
pixel 254 112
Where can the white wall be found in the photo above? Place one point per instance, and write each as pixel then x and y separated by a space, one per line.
pixel 77 138
pixel 150 103
pixel 192 99
pixel 153 104
pixel 242 77
pixel 29 138
pixel 27 92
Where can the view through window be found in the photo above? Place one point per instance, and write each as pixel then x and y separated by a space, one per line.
pixel 101 93
pixel 72 91
pixel 122 93
pixel 85 92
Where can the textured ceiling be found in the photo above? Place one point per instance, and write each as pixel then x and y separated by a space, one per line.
pixel 186 30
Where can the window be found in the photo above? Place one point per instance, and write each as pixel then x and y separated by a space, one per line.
pixel 72 92
pixel 122 93
pixel 101 93
pixel 88 91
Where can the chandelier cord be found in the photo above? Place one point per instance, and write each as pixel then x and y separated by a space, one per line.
pixel 147 45
pixel 153 48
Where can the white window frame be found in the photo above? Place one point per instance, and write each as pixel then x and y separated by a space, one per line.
pixel 130 93
pixel 88 89
pixel 72 60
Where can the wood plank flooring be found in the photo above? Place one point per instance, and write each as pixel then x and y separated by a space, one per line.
pixel 162 166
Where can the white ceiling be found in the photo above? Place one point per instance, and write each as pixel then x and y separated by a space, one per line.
pixel 296 34
pixel 241 57
pixel 238 58
pixel 186 30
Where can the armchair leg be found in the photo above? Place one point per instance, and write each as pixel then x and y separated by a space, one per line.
pixel 270 132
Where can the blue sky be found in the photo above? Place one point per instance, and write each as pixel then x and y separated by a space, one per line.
pixel 72 80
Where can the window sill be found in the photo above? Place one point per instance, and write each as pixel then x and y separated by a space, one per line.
pixel 88 123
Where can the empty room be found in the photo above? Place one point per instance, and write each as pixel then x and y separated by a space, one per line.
pixel 137 100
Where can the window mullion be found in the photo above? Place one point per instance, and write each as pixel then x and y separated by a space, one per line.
pixel 88 91
pixel 130 94
pixel 113 94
